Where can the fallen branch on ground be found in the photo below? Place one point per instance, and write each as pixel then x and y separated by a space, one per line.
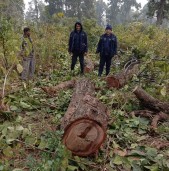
pixel 150 102
pixel 153 116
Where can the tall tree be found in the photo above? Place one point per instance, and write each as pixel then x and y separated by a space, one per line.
pixel 100 11
pixel 160 9
pixel 126 8
pixel 88 9
pixel 12 9
pixel 73 8
pixel 113 11
pixel 54 6
pixel 36 11
pixel 80 8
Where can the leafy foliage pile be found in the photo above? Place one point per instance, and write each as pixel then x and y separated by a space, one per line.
pixel 30 138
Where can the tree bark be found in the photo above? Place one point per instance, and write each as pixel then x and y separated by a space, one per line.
pixel 85 121
pixel 151 102
pixel 119 80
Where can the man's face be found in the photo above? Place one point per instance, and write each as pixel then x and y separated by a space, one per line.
pixel 108 31
pixel 28 33
pixel 78 27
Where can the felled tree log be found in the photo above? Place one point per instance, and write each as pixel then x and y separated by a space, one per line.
pixel 62 86
pixel 153 116
pixel 151 102
pixel 119 80
pixel 85 121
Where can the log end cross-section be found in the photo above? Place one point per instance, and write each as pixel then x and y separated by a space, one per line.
pixel 85 121
pixel 84 137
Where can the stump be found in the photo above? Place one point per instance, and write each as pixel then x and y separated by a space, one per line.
pixel 85 121
pixel 119 80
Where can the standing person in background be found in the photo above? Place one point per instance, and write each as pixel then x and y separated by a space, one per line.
pixel 107 47
pixel 78 46
pixel 27 53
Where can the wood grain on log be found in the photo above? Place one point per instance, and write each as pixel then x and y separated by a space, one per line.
pixel 85 121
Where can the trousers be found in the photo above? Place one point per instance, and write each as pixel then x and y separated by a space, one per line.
pixel 28 68
pixel 104 59
pixel 81 60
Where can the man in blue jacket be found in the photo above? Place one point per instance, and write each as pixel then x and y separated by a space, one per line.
pixel 78 46
pixel 107 47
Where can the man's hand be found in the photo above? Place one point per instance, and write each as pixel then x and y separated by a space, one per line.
pixel 85 54
pixel 70 53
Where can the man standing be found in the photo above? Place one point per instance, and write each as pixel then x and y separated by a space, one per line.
pixel 78 46
pixel 27 53
pixel 107 47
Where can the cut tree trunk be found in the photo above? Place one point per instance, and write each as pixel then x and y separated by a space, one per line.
pixel 62 86
pixel 119 80
pixel 150 102
pixel 85 121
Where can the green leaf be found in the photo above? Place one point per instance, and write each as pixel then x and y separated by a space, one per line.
pixel 19 128
pixel 8 152
pixel 136 153
pixel 163 91
pixel 43 144
pixel 118 160
pixel 1 167
pixel 19 68
pixel 25 105
pixel 31 140
pixel 151 152
pixel 25 132
pixel 13 108
pixel 17 169
pixel 152 168
pixel 72 168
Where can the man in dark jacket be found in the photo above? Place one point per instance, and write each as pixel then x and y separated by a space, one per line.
pixel 107 47
pixel 78 46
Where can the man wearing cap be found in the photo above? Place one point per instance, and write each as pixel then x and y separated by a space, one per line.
pixel 107 47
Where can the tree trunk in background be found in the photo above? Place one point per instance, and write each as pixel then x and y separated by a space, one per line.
pixel 160 13
pixel 85 121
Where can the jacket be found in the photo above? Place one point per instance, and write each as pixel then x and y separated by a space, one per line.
pixel 103 43
pixel 80 45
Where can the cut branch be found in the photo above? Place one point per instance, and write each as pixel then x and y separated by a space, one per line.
pixel 62 86
pixel 151 102
pixel 153 116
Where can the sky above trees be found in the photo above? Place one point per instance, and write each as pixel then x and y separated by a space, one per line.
pixel 143 2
